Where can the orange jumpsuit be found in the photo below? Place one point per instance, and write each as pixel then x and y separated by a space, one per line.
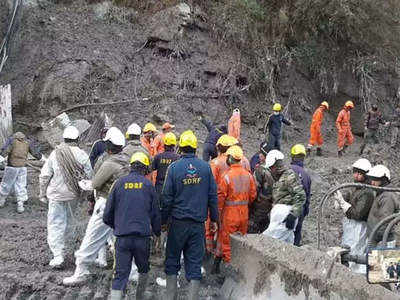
pixel 344 129
pixel 234 125
pixel 237 189
pixel 147 144
pixel 218 167
pixel 315 128
pixel 158 144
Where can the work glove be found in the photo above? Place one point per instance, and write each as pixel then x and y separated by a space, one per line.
pixel 43 158
pixel 341 202
pixel 290 221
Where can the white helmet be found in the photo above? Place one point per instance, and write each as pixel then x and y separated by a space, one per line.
pixel 115 136
pixel 379 171
pixel 71 132
pixel 134 129
pixel 272 157
pixel 362 164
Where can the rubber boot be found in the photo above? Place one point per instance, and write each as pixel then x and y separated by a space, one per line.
pixel 116 295
pixel 141 287
pixel 172 287
pixel 216 267
pixel 101 260
pixel 340 153
pixel 345 148
pixel 194 289
pixel 319 151
pixel 20 207
pixel 309 150
pixel 362 149
pixel 80 275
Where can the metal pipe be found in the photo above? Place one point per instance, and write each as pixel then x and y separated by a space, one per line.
pixel 371 237
pixel 357 258
pixel 342 186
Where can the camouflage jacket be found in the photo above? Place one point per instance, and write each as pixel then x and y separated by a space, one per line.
pixel 264 182
pixel 361 200
pixel 289 190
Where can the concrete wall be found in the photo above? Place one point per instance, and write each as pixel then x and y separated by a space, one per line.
pixel 270 269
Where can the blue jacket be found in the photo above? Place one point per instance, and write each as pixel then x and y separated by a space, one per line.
pixel 132 206
pixel 254 161
pixel 213 132
pixel 98 148
pixel 297 167
pixel 189 191
pixel 161 163
pixel 274 124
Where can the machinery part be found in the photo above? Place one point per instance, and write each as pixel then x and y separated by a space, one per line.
pixel 375 230
pixel 342 186
pixel 389 228
pixel 356 258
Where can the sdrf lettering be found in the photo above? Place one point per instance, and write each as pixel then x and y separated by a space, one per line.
pixel 133 185
pixel 187 181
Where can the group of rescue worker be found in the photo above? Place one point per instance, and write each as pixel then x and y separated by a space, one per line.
pixel 143 185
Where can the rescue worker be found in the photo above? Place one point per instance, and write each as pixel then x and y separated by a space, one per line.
pixel 163 160
pixel 107 170
pixel 356 205
pixel 298 153
pixel 315 128
pixel 396 125
pixel 98 148
pixel 17 149
pixel 158 142
pixel 133 143
pixel 218 167
pixel 274 127
pixel 236 191
pixel 371 127
pixel 133 214
pixel 345 137
pixel 289 198
pixel 149 131
pixel 262 205
pixel 59 177
pixel 384 205
pixel 257 158
pixel 214 133
pixel 189 193
pixel 234 124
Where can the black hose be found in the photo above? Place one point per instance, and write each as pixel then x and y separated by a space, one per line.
pixel 342 186
pixel 388 229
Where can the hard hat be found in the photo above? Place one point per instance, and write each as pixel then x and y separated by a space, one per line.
pixel 362 164
pixel 167 126
pixel 277 107
pixel 133 129
pixel 71 132
pixel 115 136
pixel 235 151
pixel 170 139
pixel 149 127
pixel 227 140
pixel 349 104
pixel 188 138
pixel 272 157
pixel 298 149
pixel 326 104
pixel 236 111
pixel 379 171
pixel 140 157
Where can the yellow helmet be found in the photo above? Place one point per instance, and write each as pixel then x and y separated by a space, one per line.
pixel 326 104
pixel 235 151
pixel 277 107
pixel 140 157
pixel 298 150
pixel 349 104
pixel 188 138
pixel 170 139
pixel 149 127
pixel 227 140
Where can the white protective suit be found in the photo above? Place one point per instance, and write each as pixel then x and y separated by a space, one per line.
pixel 14 178
pixel 277 228
pixel 59 197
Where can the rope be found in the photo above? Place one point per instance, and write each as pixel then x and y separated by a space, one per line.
pixel 342 186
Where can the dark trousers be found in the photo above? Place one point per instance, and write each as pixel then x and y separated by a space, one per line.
pixel 297 232
pixel 274 142
pixel 127 248
pixel 209 151
pixel 158 192
pixel 186 236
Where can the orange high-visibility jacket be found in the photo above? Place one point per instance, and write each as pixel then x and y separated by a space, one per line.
pixel 317 118
pixel 343 120
pixel 147 145
pixel 158 144
pixel 234 125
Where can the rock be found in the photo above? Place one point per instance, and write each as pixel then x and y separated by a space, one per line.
pixel 102 10
pixel 168 23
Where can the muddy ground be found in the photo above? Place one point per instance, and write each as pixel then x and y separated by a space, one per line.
pixel 70 52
